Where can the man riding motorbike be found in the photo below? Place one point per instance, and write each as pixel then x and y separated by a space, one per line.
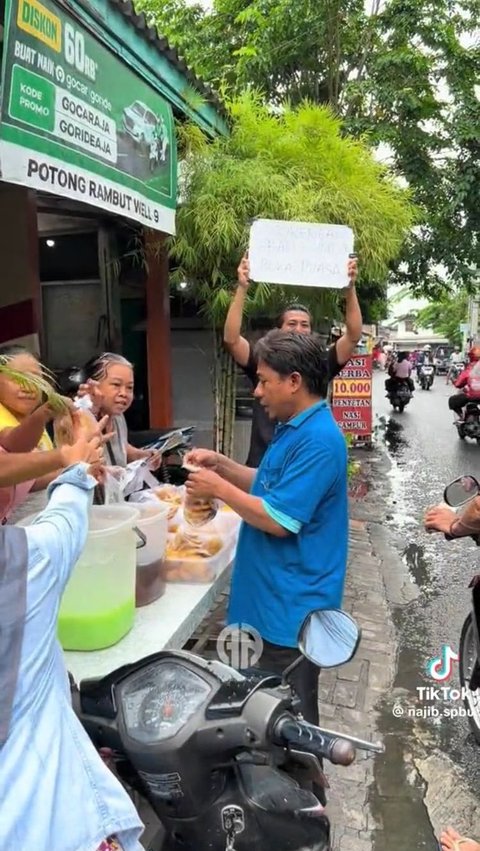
pixel 456 358
pixel 400 372
pixel 469 381
pixel 425 358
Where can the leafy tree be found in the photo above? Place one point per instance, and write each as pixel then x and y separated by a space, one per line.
pixel 445 316
pixel 402 75
pixel 293 165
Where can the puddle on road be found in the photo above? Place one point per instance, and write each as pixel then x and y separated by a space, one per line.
pixel 414 558
pixel 397 795
pixel 391 432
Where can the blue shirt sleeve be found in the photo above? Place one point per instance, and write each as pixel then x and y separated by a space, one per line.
pixel 60 531
pixel 309 473
pixel 282 519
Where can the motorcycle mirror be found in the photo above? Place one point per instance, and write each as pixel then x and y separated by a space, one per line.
pixel 461 490
pixel 329 637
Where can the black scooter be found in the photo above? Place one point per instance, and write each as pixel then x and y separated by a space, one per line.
pixel 214 752
pixel 459 493
pixel 469 425
pixel 400 395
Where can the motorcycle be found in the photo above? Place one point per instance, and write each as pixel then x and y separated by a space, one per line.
pixel 454 372
pixel 441 365
pixel 425 376
pixel 400 397
pixel 213 753
pixel 469 425
pixel 459 493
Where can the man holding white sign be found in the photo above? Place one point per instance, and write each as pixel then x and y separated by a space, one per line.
pixel 297 318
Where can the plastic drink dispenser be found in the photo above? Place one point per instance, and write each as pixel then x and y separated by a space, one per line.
pixel 98 605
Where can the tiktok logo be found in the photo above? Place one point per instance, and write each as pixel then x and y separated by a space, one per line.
pixel 441 669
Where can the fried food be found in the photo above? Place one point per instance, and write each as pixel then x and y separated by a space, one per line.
pixel 172 497
pixel 186 546
pixel 197 512
pixel 169 494
pixel 194 571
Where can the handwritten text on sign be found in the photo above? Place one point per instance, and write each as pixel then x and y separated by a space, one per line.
pixel 300 253
pixel 352 397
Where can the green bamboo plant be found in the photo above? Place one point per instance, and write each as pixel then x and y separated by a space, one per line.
pixel 295 164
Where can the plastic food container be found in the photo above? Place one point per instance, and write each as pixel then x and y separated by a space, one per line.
pixel 98 604
pixel 200 569
pixel 150 584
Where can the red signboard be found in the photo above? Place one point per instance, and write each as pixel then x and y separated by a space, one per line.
pixel 352 398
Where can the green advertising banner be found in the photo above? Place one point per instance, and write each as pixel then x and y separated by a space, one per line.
pixel 77 122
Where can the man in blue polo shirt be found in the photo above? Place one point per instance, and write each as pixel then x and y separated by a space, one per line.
pixel 292 550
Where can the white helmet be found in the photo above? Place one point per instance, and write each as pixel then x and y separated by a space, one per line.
pixel 427 348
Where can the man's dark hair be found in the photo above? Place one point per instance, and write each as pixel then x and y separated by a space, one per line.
pixel 288 308
pixel 286 352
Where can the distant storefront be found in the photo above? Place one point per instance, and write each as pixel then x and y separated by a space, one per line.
pixel 88 168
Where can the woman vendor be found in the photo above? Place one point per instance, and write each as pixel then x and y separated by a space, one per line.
pixel 23 420
pixel 109 381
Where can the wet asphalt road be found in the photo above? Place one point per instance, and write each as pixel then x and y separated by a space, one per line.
pixel 426 454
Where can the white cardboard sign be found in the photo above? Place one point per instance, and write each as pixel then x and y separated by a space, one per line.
pixel 300 253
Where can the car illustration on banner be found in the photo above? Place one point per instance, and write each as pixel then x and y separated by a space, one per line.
pixel 148 130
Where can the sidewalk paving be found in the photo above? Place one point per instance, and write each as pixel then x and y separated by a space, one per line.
pixel 348 695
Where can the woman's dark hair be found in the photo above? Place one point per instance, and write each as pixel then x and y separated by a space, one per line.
pixel 295 306
pixel 11 351
pixel 287 352
pixel 97 367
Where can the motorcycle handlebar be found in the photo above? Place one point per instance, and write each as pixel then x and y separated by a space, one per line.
pixel 308 738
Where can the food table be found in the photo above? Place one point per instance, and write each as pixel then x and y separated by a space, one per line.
pixel 167 623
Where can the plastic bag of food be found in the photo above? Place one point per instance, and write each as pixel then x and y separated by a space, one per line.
pixel 198 511
pixel 63 426
pixel 169 494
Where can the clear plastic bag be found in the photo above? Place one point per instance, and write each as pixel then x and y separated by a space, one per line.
pixel 63 429
pixel 197 511
pixel 167 494
pixel 113 485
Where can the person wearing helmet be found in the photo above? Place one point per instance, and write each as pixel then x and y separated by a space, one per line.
pixel 455 359
pixel 399 373
pixel 425 357
pixel 469 382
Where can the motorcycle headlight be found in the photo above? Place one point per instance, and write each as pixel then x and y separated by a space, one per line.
pixel 160 699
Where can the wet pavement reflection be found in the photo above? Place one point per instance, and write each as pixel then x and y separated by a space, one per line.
pixel 425 454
